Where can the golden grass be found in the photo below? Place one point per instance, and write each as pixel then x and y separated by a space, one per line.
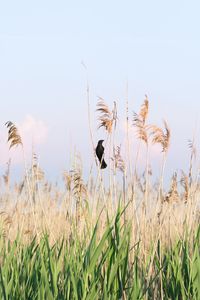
pixel 56 212
pixel 34 205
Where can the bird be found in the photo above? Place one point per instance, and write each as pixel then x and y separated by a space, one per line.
pixel 100 153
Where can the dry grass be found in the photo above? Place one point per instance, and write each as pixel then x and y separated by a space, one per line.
pixel 34 205
pixel 59 213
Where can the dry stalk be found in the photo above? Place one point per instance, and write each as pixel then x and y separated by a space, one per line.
pixel 193 153
pixel 15 140
pixel 118 160
pixel 37 172
pixel 185 184
pixel 36 175
pixel 79 192
pixel 139 122
pixel 6 177
pixel 108 120
pixel 119 164
pixel 128 156
pixel 162 137
pixel 68 178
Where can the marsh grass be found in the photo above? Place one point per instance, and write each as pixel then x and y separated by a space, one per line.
pixel 102 264
pixel 130 239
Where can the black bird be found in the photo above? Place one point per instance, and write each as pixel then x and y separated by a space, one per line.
pixel 99 153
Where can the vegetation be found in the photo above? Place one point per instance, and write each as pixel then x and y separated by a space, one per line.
pixel 130 239
pixel 106 267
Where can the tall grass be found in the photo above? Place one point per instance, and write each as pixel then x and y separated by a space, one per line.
pixel 129 240
pixel 100 266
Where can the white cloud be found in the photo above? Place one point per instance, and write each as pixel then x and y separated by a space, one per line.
pixel 33 130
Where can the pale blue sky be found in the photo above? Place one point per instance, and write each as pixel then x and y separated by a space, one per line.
pixel 154 45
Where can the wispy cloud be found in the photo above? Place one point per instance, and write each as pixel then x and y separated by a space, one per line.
pixel 33 130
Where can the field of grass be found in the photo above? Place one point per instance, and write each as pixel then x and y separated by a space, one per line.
pixel 128 239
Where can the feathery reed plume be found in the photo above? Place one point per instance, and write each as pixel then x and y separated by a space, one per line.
pixel 140 184
pixel 118 160
pixel 144 110
pixel 14 139
pixel 139 121
pixel 21 187
pixel 162 137
pixel 6 222
pixel 67 178
pixel 79 187
pixel 107 118
pixel 79 191
pixel 185 184
pixel 173 194
pixel 13 135
pixel 141 128
pixel 36 175
pixel 37 172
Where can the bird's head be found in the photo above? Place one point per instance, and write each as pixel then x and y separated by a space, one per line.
pixel 100 142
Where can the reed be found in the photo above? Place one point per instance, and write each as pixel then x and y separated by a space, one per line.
pixel 84 240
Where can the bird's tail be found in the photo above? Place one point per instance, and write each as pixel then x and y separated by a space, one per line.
pixel 103 164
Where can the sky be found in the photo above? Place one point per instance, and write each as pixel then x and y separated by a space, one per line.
pixel 153 47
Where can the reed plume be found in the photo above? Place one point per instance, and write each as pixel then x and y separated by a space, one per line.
pixel 185 184
pixel 67 178
pixel 173 194
pixel 14 137
pixel 118 160
pixel 108 120
pixel 79 191
pixel 162 137
pixel 37 172
pixel 107 117
pixel 79 188
pixel 139 121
